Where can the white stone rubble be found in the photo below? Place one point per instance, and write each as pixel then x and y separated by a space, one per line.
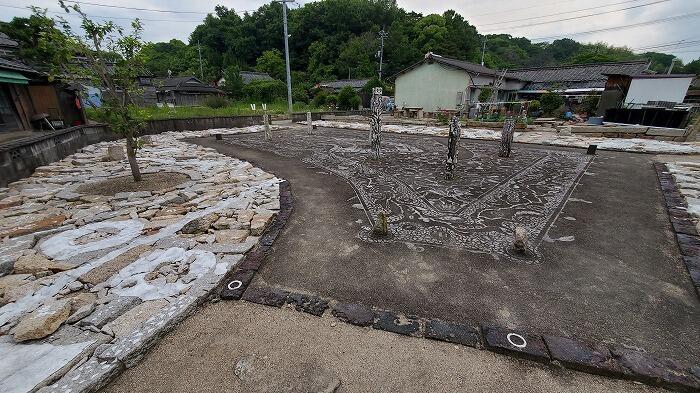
pixel 128 250
pixel 542 138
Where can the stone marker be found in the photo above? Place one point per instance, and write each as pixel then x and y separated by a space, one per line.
pixel 452 140
pixel 520 243
pixel 381 227
pixel 507 137
pixel 309 123
pixel 375 122
pixel 266 124
pixel 115 153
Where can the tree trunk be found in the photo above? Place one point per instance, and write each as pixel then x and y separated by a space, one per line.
pixel 131 156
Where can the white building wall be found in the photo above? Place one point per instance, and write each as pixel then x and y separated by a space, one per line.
pixel 644 90
pixel 431 87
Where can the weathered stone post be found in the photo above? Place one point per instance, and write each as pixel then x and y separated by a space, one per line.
pixel 266 123
pixel 381 225
pixel 507 137
pixel 309 123
pixel 375 122
pixel 452 139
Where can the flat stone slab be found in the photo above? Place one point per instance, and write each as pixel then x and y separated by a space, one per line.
pixel 396 323
pixel 356 314
pixel 453 333
pixel 106 313
pixel 594 359
pixel 516 343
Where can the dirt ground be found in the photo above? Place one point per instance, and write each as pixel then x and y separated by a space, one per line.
pixel 282 350
pixel 149 182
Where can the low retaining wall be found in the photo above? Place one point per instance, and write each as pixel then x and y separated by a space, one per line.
pixel 19 158
pixel 298 117
pixel 201 123
pixel 644 132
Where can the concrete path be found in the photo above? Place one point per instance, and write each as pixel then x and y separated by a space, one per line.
pixel 282 350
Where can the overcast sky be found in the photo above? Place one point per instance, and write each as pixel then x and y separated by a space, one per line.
pixel 488 15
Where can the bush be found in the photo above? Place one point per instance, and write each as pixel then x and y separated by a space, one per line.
pixel 348 99
pixel 215 102
pixel 534 106
pixel 265 90
pixel 299 94
pixel 485 94
pixel 320 99
pixel 590 105
pixel 331 99
pixel 550 102
pixel 375 82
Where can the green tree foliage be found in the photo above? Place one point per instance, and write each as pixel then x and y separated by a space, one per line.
pixel 693 67
pixel 348 99
pixel 590 105
pixel 233 85
pixel 485 94
pixel 375 82
pixel 117 81
pixel 265 91
pixel 550 102
pixel 271 62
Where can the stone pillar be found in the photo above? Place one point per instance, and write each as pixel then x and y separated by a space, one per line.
pixel 453 138
pixel 375 122
pixel 309 123
pixel 507 137
pixel 266 123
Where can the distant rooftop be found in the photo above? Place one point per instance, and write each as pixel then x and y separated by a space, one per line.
pixel 249 76
pixel 340 83
pixel 7 41
pixel 578 76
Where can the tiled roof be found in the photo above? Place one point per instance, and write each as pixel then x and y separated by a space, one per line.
pixel 339 84
pixel 249 76
pixel 184 83
pixel 7 41
pixel 15 65
pixel 580 76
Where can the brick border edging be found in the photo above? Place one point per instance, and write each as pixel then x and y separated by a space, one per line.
pixel 683 226
pixel 612 361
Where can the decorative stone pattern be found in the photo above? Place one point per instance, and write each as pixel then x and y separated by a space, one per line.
pixel 125 267
pixel 422 207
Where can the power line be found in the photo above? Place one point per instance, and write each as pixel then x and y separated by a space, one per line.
pixel 104 17
pixel 558 13
pixel 671 45
pixel 517 9
pixel 623 27
pixel 146 9
pixel 583 16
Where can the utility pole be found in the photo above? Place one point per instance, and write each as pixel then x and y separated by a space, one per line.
pixel 382 35
pixel 201 69
pixel 483 51
pixel 286 53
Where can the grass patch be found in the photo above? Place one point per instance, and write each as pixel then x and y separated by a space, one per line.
pixel 186 112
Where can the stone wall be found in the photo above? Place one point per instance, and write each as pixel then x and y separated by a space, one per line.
pixel 19 158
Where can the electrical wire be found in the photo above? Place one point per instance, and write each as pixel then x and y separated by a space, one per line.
pixel 104 17
pixel 145 9
pixel 582 16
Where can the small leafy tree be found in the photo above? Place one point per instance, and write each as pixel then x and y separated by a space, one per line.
pixel 234 83
pixel 265 90
pixel 550 102
pixel 590 105
pixel 271 62
pixel 485 94
pixel 103 40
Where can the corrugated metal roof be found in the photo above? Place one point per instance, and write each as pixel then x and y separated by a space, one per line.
pixel 184 83
pixel 7 41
